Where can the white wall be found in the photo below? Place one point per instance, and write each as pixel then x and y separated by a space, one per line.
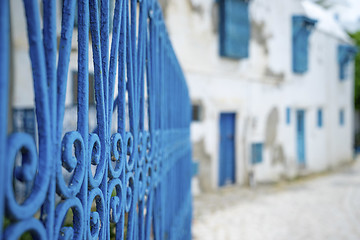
pixel 253 87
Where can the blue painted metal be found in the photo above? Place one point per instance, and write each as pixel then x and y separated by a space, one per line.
pixel 4 85
pixel 301 29
pixel 234 28
pixel 341 117
pixel 111 12
pixel 319 117
pixel 227 149
pixel 288 116
pixel 134 182
pixel 300 136
pixel 346 54
pixel 256 153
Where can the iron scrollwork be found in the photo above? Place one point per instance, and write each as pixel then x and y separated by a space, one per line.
pixel 131 183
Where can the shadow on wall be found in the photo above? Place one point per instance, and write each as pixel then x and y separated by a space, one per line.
pixel 271 130
pixel 199 154
pixel 164 4
pixel 259 35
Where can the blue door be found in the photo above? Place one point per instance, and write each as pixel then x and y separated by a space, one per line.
pixel 227 149
pixel 300 133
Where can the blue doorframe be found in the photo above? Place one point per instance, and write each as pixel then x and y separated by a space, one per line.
pixel 300 136
pixel 227 149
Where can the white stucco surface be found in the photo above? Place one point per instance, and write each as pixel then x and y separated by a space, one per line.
pixel 264 82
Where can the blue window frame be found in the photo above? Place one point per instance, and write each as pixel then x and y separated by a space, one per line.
pixel 319 118
pixel 301 29
pixel 341 117
pixel 346 54
pixel 256 153
pixel 288 115
pixel 234 28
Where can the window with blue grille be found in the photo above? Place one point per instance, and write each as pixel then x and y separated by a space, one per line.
pixel 256 153
pixel 319 118
pixel 234 28
pixel 288 114
pixel 23 120
pixel 301 30
pixel 346 54
pixel 341 117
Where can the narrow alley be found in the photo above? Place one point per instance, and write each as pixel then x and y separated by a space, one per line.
pixel 316 208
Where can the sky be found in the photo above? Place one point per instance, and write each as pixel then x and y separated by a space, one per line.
pixel 348 12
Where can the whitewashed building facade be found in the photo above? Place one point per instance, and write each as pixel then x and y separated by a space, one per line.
pixel 285 123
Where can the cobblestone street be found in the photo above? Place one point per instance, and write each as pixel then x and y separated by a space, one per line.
pixel 315 208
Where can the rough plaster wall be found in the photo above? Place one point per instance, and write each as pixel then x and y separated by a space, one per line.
pixel 21 60
pixel 271 128
pixel 164 4
pixel 271 135
pixel 196 39
pixel 205 174
pixel 275 16
pixel 255 101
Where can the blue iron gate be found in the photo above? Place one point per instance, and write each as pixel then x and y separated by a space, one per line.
pixel 227 149
pixel 132 184
pixel 300 135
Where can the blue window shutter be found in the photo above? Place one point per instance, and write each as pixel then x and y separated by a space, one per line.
pixel 320 118
pixel 288 113
pixel 256 153
pixel 301 53
pixel 301 30
pixel 234 28
pixel 346 54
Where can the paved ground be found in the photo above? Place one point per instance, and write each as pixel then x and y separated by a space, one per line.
pixel 326 207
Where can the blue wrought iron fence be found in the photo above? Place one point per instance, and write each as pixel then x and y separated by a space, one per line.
pixel 131 184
